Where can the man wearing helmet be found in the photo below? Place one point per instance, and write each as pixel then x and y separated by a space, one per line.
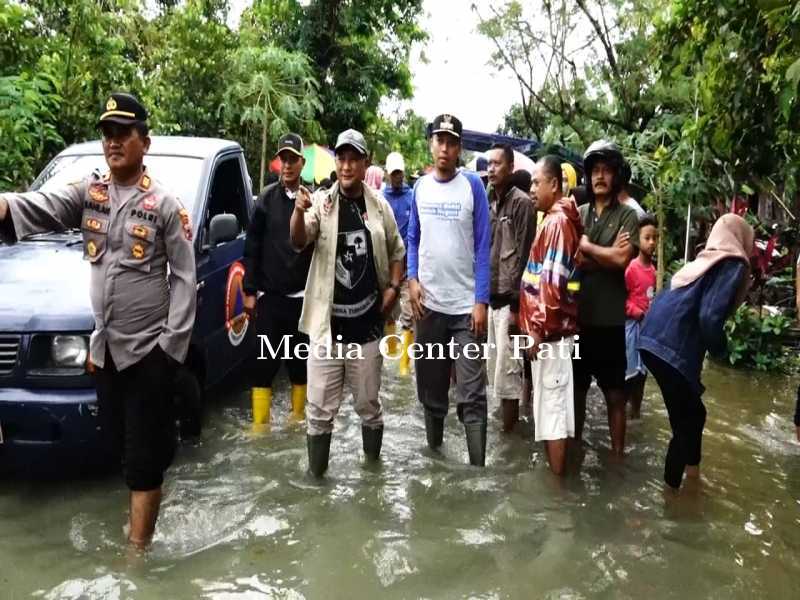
pixel 609 243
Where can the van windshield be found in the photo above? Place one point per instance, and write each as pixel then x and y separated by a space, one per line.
pixel 180 174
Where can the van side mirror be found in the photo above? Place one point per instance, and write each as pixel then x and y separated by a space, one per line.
pixel 223 228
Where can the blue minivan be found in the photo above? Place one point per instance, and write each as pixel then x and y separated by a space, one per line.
pixel 48 406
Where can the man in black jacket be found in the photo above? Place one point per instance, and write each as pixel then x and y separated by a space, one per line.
pixel 272 266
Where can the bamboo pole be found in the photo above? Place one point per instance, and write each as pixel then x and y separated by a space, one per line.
pixel 660 267
pixel 689 208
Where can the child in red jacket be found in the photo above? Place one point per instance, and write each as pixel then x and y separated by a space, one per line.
pixel 640 279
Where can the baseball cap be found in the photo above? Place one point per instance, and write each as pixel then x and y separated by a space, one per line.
pixel 123 108
pixel 447 124
pixel 395 162
pixel 291 142
pixel 353 138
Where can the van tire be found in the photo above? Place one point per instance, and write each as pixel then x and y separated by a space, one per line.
pixel 189 403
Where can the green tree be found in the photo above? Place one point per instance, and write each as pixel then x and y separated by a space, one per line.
pixel 739 62
pixel 20 41
pixel 588 63
pixel 28 107
pixel 58 61
pixel 89 49
pixel 405 133
pixel 188 68
pixel 273 91
pixel 359 50
pixel 702 95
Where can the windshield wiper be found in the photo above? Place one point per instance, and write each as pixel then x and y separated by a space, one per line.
pixel 49 234
pixel 40 235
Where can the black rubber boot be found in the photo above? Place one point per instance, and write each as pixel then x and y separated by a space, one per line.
pixel 476 443
pixel 319 450
pixel 372 440
pixel 434 430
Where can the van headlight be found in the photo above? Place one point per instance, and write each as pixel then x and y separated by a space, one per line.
pixel 69 351
pixel 60 354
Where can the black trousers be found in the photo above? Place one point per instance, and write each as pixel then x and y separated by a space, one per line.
pixel 602 355
pixel 433 374
pixel 278 317
pixel 687 417
pixel 137 414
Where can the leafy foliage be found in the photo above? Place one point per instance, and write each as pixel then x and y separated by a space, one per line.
pixel 359 50
pixel 279 94
pixel 27 110
pixel 701 94
pixel 187 68
pixel 335 60
pixel 404 134
pixel 756 342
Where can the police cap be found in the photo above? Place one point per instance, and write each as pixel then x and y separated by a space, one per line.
pixel 124 109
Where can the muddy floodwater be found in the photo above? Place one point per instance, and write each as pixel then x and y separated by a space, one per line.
pixel 241 520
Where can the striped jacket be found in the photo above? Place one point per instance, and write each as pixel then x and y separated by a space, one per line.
pixel 551 282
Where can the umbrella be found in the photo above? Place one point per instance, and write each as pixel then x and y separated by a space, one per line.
pixel 319 163
pixel 521 162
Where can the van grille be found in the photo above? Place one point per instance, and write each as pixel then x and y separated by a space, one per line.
pixel 9 348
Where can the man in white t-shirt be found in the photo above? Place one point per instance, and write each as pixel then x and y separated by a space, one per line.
pixel 449 240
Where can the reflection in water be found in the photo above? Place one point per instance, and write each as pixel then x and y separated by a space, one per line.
pixel 240 518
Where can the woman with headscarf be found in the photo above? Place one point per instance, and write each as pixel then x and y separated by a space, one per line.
pixel 686 322
pixel 374 177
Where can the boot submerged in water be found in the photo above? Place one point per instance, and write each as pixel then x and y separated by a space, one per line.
pixel 372 438
pixel 319 450
pixel 434 430
pixel 476 443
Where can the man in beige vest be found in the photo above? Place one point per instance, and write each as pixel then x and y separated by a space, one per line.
pixel 353 286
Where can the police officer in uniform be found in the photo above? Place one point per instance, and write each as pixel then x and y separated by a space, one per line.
pixel 144 312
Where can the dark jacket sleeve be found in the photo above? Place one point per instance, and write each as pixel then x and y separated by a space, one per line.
pixel 716 304
pixel 254 245
pixel 524 232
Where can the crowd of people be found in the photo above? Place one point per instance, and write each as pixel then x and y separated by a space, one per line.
pixel 553 280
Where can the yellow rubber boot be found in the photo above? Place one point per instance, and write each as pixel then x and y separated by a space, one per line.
pixel 405 360
pixel 262 403
pixel 390 329
pixel 298 403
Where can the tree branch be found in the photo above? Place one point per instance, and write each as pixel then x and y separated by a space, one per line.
pixel 612 60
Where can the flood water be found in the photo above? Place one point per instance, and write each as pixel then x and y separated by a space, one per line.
pixel 241 520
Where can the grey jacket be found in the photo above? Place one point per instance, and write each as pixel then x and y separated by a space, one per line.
pixel 513 231
pixel 136 304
